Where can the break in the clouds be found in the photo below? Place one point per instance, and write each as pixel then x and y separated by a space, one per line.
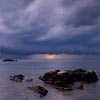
pixel 30 27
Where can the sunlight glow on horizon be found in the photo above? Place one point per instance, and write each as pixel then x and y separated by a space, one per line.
pixel 47 56
pixel 53 56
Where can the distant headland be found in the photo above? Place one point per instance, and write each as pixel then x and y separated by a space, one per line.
pixel 9 60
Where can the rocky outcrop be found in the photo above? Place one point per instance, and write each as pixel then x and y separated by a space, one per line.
pixel 17 78
pixel 68 77
pixel 39 90
pixel 29 80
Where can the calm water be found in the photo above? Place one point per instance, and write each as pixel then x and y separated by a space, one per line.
pixel 34 68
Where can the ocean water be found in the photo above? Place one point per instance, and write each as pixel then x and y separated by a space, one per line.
pixel 34 68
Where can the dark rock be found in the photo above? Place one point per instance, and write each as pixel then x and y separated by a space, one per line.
pixel 64 88
pixel 79 86
pixel 9 60
pixel 66 77
pixel 17 78
pixel 39 90
pixel 80 70
pixel 29 80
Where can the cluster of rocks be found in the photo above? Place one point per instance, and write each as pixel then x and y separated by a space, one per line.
pixel 69 77
pixel 37 89
pixel 17 78
pixel 61 79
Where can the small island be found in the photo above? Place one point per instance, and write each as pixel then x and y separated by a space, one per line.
pixel 9 60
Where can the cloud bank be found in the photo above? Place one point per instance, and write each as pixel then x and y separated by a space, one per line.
pixel 30 27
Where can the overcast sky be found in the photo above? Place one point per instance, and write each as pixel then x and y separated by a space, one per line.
pixel 30 27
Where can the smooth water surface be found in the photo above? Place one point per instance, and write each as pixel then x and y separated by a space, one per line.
pixel 34 68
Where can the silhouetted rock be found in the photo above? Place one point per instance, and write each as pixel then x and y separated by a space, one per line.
pixel 65 88
pixel 78 85
pixel 39 90
pixel 29 80
pixel 17 78
pixel 80 70
pixel 9 60
pixel 81 87
pixel 66 77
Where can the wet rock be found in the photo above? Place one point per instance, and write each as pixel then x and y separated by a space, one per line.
pixel 9 60
pixel 80 70
pixel 65 88
pixel 66 77
pixel 79 85
pixel 17 78
pixel 29 80
pixel 39 90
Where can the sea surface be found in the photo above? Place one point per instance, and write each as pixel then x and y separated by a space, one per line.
pixel 10 90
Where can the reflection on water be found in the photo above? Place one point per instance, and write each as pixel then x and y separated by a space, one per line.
pixel 33 69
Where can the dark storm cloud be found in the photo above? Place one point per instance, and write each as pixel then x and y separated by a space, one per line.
pixel 49 26
pixel 87 15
